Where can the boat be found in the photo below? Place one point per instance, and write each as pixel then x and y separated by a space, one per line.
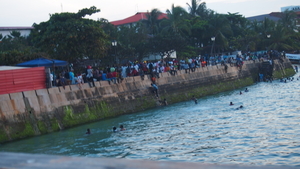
pixel 294 58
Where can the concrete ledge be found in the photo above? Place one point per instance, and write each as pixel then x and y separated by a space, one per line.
pixel 165 74
pixel 97 84
pixel 53 90
pixel 104 83
pixel 129 79
pixel 33 100
pixel 37 161
pixel 74 87
pixel 4 97
pixel 85 86
pixel 44 100
pixel 137 78
pixel 66 89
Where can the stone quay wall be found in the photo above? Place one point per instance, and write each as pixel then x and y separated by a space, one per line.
pixel 37 112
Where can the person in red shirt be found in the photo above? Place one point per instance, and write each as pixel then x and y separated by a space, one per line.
pixel 114 76
pixel 111 77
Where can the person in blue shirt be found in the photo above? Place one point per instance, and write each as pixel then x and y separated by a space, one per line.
pixel 104 76
pixel 155 89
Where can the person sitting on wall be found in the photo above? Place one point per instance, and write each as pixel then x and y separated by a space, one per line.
pixel 110 77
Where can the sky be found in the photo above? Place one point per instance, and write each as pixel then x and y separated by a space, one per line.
pixel 26 12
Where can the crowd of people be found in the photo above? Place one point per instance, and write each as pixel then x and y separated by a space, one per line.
pixel 116 73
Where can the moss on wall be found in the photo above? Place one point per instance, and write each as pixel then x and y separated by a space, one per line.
pixel 54 124
pixel 3 136
pixel 21 131
pixel 91 113
pixel 42 127
pixel 206 90
pixel 287 73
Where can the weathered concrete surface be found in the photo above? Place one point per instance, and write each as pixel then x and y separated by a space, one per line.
pixel 37 112
pixel 37 161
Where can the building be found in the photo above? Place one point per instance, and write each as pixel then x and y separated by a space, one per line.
pixel 259 18
pixel 276 16
pixel 291 8
pixel 25 31
pixel 132 20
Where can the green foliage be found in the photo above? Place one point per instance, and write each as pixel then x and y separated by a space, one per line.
pixel 69 36
pixel 3 136
pixel 42 127
pixel 26 132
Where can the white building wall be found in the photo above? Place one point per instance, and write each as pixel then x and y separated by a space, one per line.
pixel 290 8
pixel 25 31
pixel 158 57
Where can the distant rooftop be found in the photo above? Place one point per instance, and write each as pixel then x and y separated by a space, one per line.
pixel 271 16
pixel 16 28
pixel 136 18
pixel 11 67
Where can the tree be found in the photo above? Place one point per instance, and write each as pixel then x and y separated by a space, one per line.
pixel 198 9
pixel 152 22
pixel 133 42
pixel 219 27
pixel 177 22
pixel 15 48
pixel 69 36
pixel 280 39
pixel 288 20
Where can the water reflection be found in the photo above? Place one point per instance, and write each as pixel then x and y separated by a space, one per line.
pixel 265 131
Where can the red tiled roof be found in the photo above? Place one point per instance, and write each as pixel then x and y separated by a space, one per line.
pixel 135 18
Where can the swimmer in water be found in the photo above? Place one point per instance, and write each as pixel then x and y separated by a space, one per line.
pixel 246 90
pixel 241 92
pixel 195 99
pixel 122 128
pixel 231 104
pixel 239 107
pixel 114 129
pixel 88 131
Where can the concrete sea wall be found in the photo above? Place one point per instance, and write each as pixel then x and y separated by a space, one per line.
pixel 31 113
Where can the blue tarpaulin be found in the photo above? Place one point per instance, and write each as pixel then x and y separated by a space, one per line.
pixel 39 62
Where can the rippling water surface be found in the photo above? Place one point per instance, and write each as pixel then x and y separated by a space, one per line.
pixel 265 132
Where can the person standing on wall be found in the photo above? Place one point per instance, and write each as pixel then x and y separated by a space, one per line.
pixel 89 76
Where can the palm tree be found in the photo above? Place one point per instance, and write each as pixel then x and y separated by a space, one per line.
pixel 288 20
pixel 177 21
pixel 152 21
pixel 197 9
pixel 280 39
pixel 219 27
